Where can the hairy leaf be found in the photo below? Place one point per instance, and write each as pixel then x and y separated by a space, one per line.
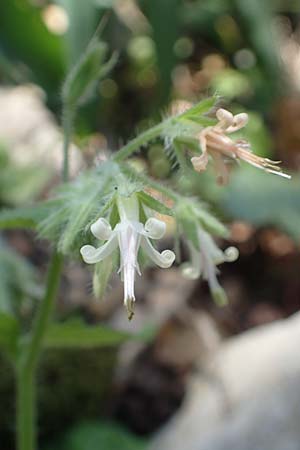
pixel 22 217
pixel 82 79
pixel 200 108
pixel 76 205
pixel 153 203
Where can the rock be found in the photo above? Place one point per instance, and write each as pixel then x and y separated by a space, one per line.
pixel 29 130
pixel 245 397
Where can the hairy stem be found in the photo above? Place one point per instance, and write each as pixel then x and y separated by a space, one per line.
pixel 138 142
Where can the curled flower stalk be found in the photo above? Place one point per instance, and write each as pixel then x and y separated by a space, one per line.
pixel 129 235
pixel 204 262
pixel 216 143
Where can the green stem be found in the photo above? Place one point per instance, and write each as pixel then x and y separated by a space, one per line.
pixel 25 411
pixel 139 141
pixel 30 355
pixel 67 121
pixel 44 312
pixel 26 370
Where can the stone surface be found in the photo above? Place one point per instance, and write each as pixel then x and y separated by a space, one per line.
pixel 29 130
pixel 245 397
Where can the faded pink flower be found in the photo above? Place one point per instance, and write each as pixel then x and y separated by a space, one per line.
pixel 216 142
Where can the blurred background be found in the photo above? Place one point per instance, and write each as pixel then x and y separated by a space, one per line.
pixel 248 52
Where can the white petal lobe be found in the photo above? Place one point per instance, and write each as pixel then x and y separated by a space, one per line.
pixel 155 228
pixel 163 260
pixel 92 255
pixel 101 229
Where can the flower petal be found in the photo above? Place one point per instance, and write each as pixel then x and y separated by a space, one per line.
pixel 210 271
pixel 209 248
pixel 101 229
pixel 164 259
pixel 155 228
pixel 92 255
pixel 225 119
pixel 239 121
pixel 231 254
pixel 200 162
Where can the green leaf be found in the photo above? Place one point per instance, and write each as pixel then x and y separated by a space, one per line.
pixel 154 204
pixel 264 200
pixel 76 205
pixel 82 79
pixel 99 435
pixel 185 126
pixel 76 334
pixel 83 18
pixel 38 48
pixel 22 217
pixel 203 121
pixel 9 332
pixel 203 107
pixel 18 281
pixel 159 13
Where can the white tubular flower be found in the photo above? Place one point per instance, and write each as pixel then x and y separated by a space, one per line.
pixel 129 235
pixel 204 261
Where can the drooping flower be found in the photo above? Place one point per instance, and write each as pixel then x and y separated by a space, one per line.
pixel 216 142
pixel 129 235
pixel 204 262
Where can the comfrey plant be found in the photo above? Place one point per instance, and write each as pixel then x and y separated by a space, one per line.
pixel 108 217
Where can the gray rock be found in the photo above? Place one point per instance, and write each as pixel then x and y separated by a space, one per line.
pixel 245 397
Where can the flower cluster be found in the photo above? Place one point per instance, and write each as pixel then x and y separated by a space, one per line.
pixel 130 231
pixel 215 142
pixel 204 260
pixel 129 235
